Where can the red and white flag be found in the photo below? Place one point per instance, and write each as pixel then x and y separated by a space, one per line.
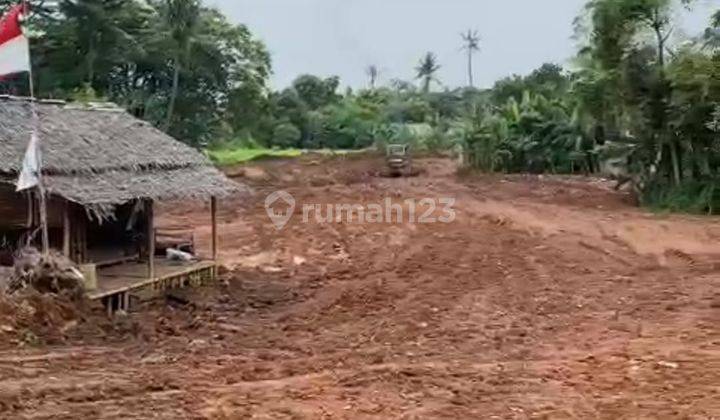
pixel 14 46
pixel 15 58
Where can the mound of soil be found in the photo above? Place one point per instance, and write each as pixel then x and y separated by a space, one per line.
pixel 45 273
pixel 41 299
pixel 32 318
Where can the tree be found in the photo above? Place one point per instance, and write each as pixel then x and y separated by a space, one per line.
pixel 316 92
pixel 635 81
pixel 96 25
pixel 372 72
pixel 655 14
pixel 712 34
pixel 286 134
pixel 77 44
pixel 181 18
pixel 649 107
pixel 549 80
pixel 134 65
pixel 426 70
pixel 471 44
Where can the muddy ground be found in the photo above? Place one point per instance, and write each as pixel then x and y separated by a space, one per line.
pixel 547 297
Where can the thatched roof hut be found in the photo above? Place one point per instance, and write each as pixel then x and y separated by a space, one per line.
pixel 103 170
pixel 99 156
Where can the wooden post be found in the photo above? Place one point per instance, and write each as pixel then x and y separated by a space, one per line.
pixel 82 235
pixel 151 238
pixel 66 230
pixel 213 211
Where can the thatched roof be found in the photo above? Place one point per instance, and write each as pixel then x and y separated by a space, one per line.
pixel 100 156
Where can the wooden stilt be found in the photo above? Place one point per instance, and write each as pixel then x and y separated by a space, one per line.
pixel 66 230
pixel 151 239
pixel 43 220
pixel 213 211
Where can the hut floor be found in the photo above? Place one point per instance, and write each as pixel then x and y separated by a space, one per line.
pixel 109 256
pixel 134 275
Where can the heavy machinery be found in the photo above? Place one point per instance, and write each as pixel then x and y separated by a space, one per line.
pixel 399 160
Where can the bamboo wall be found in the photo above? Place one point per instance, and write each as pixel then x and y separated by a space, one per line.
pixel 19 215
pixel 16 213
pixel 14 208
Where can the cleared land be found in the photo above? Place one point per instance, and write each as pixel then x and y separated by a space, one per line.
pixel 546 298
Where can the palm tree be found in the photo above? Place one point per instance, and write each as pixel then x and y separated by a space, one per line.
pixel 471 40
pixel 373 72
pixel 426 70
pixel 712 34
pixel 181 19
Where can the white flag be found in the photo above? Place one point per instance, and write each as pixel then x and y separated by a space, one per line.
pixel 30 173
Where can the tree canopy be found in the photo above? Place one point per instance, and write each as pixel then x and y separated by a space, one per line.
pixel 176 63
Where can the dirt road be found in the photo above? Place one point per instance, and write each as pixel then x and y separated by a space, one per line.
pixel 545 298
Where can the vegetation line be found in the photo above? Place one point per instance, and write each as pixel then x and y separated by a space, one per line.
pixel 641 102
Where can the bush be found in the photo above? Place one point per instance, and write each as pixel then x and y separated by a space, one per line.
pixel 286 135
pixel 690 197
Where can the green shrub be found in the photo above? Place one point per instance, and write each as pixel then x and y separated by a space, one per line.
pixel 286 135
pixel 690 197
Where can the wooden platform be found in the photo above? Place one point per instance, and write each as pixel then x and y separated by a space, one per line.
pixel 128 277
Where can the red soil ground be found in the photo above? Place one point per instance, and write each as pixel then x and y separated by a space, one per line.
pixel 546 298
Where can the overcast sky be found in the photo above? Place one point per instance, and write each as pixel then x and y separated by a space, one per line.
pixel 343 37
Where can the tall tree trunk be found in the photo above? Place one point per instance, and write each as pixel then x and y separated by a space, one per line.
pixel 173 95
pixel 470 68
pixel 661 46
pixel 90 61
pixel 661 38
pixel 675 163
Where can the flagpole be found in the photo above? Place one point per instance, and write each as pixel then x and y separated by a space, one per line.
pixel 36 133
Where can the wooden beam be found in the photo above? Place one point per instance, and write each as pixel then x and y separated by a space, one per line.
pixel 84 239
pixel 78 241
pixel 126 301
pixel 66 230
pixel 151 238
pixel 42 199
pixel 213 211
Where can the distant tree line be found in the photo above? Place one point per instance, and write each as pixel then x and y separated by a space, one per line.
pixel 634 98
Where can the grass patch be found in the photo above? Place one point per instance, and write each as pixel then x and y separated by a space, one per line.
pixel 689 197
pixel 225 157
pixel 228 155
